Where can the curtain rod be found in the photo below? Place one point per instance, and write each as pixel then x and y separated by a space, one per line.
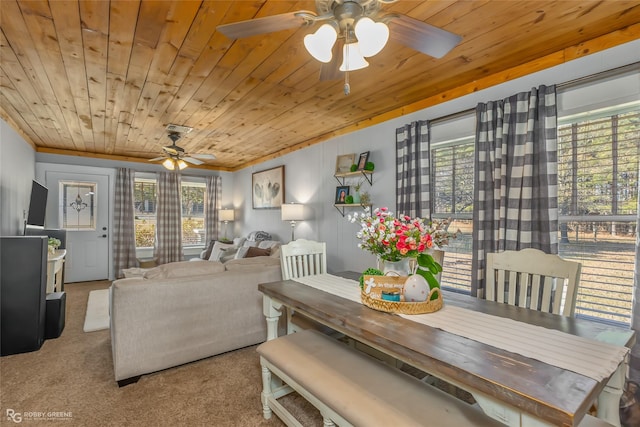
pixel 599 76
pixel 562 86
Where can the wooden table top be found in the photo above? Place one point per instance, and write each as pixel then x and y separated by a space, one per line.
pixel 542 390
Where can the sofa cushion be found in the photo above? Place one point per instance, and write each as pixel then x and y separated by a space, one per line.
pixel 258 262
pixel 253 252
pixel 183 269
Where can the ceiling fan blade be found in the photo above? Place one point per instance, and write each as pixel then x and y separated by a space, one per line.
pixel 425 38
pixel 203 156
pixel 331 70
pixel 192 160
pixel 155 159
pixel 267 24
pixel 170 149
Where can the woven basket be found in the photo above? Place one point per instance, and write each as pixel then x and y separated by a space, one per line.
pixel 385 283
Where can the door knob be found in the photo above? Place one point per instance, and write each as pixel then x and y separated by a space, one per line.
pixel 104 235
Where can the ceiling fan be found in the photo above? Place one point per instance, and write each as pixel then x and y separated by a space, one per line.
pixel 175 156
pixel 355 27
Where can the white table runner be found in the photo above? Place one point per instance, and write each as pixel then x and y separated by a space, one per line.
pixel 593 359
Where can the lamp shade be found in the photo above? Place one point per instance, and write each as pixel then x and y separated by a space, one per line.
pixel 226 214
pixel 292 212
pixel 182 164
pixel 320 43
pixel 372 36
pixel 352 59
pixel 168 164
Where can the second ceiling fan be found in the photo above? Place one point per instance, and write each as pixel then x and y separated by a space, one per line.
pixel 355 28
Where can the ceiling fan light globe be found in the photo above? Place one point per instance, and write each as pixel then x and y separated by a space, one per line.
pixel 182 164
pixel 352 59
pixel 320 44
pixel 372 36
pixel 168 164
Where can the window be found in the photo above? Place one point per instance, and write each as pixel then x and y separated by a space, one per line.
pixel 78 205
pixel 193 213
pixel 145 192
pixel 452 177
pixel 598 163
pixel 145 212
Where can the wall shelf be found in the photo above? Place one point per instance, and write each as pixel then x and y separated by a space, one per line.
pixel 340 207
pixel 341 177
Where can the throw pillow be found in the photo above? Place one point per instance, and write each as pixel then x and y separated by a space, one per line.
pixel 253 252
pixel 218 250
pixel 242 252
pixel 207 252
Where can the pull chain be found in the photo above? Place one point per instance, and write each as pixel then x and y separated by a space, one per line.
pixel 347 87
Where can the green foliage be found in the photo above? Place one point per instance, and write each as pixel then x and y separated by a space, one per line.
pixel 354 168
pixel 348 199
pixel 369 166
pixel 429 268
pixel 145 233
pixel 369 272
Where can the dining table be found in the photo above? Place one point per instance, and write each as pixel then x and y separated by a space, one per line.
pixel 523 367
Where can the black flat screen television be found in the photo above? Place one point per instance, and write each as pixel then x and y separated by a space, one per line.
pixel 37 204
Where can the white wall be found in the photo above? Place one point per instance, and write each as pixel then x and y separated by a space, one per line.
pixel 17 170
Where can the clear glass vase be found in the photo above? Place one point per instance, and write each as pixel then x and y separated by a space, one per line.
pixel 395 268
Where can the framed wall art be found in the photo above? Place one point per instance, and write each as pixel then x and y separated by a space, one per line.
pixel 267 188
pixel 362 160
pixel 344 162
pixel 341 194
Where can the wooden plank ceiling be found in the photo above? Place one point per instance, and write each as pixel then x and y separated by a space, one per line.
pixel 104 78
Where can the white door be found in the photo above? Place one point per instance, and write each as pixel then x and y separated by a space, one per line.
pixel 79 203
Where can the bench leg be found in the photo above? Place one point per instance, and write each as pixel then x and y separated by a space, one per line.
pixel 326 421
pixel 266 392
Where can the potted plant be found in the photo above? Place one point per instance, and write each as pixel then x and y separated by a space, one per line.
pixel 357 187
pixel 53 244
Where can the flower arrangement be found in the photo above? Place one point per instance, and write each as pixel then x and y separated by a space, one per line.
pixel 54 242
pixel 393 238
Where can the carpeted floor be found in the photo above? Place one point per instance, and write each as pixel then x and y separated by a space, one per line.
pixel 71 378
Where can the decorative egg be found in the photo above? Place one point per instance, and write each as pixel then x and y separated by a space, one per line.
pixel 416 289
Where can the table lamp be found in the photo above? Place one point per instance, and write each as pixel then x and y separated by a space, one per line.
pixel 292 212
pixel 225 216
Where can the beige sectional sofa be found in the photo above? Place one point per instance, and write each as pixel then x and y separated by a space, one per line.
pixel 185 311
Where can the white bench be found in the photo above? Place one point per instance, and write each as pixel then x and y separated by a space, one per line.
pixel 351 388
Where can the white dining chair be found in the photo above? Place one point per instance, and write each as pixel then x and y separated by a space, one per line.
pixel 533 279
pixel 301 258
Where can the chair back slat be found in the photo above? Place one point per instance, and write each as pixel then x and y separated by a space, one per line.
pixel 302 258
pixel 532 279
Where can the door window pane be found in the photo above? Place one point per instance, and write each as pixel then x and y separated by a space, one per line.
pixel 78 205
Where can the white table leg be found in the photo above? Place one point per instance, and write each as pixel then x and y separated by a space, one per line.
pixel 609 399
pixel 272 311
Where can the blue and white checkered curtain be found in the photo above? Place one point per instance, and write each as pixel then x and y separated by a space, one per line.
pixel 212 199
pixel 412 170
pixel 124 233
pixel 168 245
pixel 516 177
